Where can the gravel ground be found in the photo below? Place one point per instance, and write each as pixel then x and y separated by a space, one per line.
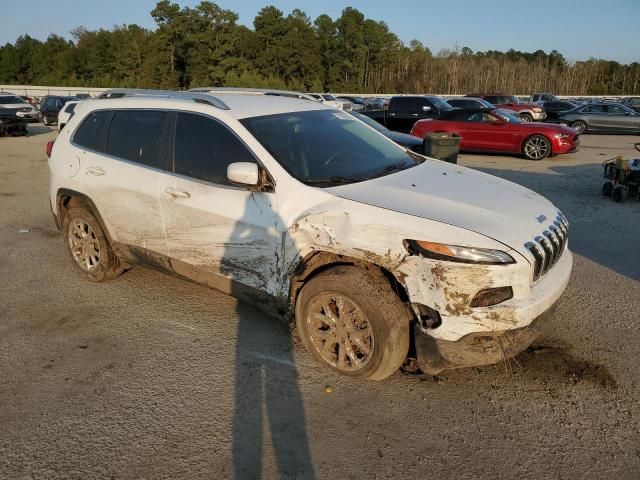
pixel 149 376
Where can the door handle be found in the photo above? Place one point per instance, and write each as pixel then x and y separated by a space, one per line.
pixel 392 114
pixel 414 114
pixel 96 171
pixel 176 192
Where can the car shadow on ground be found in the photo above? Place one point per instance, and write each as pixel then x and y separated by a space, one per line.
pixel 599 227
pixel 38 129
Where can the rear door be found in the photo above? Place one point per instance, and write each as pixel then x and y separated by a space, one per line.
pixel 122 174
pixel 596 116
pixel 217 233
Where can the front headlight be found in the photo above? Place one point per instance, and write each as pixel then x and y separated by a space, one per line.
pixel 561 135
pixel 537 110
pixel 456 253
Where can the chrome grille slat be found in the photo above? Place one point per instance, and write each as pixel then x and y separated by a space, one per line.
pixel 548 247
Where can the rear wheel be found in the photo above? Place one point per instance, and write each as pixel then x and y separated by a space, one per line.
pixel 526 117
pixel 618 194
pixel 89 247
pixel 579 126
pixel 536 147
pixel 45 120
pixel 353 322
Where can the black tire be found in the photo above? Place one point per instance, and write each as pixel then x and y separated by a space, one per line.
pixel 618 194
pixel 607 188
pixel 45 120
pixel 105 265
pixel 579 126
pixel 381 319
pixel 526 117
pixel 536 147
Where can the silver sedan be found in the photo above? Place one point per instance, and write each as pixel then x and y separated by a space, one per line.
pixel 602 117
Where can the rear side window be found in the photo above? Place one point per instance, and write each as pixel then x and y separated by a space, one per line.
pixel 408 104
pixel 204 148
pixel 70 108
pixel 137 135
pixel 91 132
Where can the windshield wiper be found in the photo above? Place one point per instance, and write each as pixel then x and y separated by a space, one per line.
pixel 391 168
pixel 332 180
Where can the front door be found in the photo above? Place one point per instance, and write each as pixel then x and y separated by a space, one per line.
pixel 217 233
pixel 484 131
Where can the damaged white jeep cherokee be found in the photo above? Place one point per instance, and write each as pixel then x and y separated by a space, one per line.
pixel 303 208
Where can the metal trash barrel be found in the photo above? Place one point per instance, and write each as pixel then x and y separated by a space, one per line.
pixel 442 145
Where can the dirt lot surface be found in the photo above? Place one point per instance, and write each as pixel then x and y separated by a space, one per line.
pixel 153 377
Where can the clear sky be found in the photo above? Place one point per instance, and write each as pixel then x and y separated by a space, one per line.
pixel 578 29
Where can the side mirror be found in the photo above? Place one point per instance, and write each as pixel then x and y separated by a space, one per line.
pixel 426 108
pixel 243 174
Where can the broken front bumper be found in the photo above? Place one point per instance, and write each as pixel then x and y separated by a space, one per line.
pixel 475 349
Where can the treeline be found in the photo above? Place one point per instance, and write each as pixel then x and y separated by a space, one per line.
pixel 205 46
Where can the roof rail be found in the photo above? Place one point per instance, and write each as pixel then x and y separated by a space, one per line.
pixel 255 91
pixel 140 92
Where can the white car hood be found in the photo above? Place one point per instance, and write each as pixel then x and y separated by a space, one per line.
pixel 455 195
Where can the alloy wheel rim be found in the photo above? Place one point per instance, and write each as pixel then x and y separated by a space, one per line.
pixel 580 127
pixel 340 332
pixel 84 245
pixel 537 148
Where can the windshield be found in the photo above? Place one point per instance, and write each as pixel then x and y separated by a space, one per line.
pixel 512 100
pixel 440 103
pixel 10 100
pixel 327 147
pixel 508 116
pixel 329 98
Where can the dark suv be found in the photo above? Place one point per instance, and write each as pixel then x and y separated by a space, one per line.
pixel 51 106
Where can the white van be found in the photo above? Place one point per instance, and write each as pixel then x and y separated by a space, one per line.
pixel 311 213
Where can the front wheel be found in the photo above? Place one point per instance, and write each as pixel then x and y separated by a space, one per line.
pixel 353 322
pixel 607 188
pixel 526 117
pixel 536 147
pixel 579 126
pixel 618 194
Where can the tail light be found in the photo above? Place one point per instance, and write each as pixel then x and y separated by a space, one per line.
pixel 49 148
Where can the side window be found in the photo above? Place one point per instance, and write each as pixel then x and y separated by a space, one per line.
pixel 406 104
pixel 70 108
pixel 136 135
pixel 91 132
pixel 615 109
pixel 493 99
pixel 205 147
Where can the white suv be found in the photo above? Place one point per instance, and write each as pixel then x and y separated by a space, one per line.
pixel 308 211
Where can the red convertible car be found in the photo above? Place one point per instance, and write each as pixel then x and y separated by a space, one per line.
pixel 497 130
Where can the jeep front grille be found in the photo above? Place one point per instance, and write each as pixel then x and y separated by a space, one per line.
pixel 549 246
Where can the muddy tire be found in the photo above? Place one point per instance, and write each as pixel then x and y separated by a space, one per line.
pixel 353 322
pixel 89 247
